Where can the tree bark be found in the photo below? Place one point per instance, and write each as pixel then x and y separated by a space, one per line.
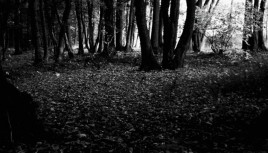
pixel 35 31
pixel 3 27
pixel 247 28
pixel 79 24
pixel 148 61
pixel 256 26
pixel 120 24
pixel 155 28
pixel 99 41
pixel 170 31
pixel 197 35
pixel 63 26
pixel 90 25
pixel 130 31
pixel 109 27
pixel 184 42
pixel 261 43
pixel 18 28
pixel 44 30
pixel 85 32
pixel 50 14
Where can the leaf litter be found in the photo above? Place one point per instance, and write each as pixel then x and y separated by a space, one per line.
pixel 119 109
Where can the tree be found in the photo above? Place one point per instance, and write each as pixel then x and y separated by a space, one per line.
pixel 4 15
pixel 90 25
pixel 155 28
pixel 120 24
pixel 184 42
pixel 33 4
pixel 64 24
pixel 50 14
pixel 253 25
pixel 78 10
pixel 206 9
pixel 44 30
pixel 261 42
pixel 148 61
pixel 131 27
pixel 18 28
pixel 109 43
pixel 170 30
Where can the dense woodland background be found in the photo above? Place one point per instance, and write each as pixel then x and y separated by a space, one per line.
pixel 133 76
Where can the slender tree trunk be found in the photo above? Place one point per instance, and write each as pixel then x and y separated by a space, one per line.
pixel 261 43
pixel 35 31
pixel 256 26
pixel 247 29
pixel 120 25
pixel 197 35
pixel 79 23
pixel 160 33
pixel 155 28
pixel 85 32
pixel 99 41
pixel 184 42
pixel 18 29
pixel 4 15
pixel 63 26
pixel 68 41
pixel 44 31
pixel 50 18
pixel 90 25
pixel 148 61
pixel 130 31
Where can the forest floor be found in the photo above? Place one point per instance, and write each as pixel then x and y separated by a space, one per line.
pixel 208 106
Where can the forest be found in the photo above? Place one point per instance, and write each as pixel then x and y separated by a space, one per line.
pixel 134 76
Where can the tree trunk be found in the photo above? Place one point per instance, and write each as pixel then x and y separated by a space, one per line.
pixel 44 31
pixel 63 26
pixel 109 28
pixel 155 28
pixel 148 61
pixel 50 17
pixel 247 28
pixel 120 24
pixel 35 31
pixel 79 24
pixel 130 31
pixel 3 28
pixel 90 25
pixel 256 26
pixel 197 35
pixel 170 31
pixel 261 43
pixel 18 29
pixel 160 32
pixel 99 42
pixel 85 32
pixel 184 42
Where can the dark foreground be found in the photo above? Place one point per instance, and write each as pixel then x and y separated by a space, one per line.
pixel 211 105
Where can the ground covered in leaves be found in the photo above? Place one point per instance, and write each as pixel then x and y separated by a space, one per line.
pixel 205 107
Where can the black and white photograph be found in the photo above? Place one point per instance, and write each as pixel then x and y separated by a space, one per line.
pixel 133 76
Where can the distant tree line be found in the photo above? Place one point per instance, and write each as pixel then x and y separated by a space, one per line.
pixel 52 27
